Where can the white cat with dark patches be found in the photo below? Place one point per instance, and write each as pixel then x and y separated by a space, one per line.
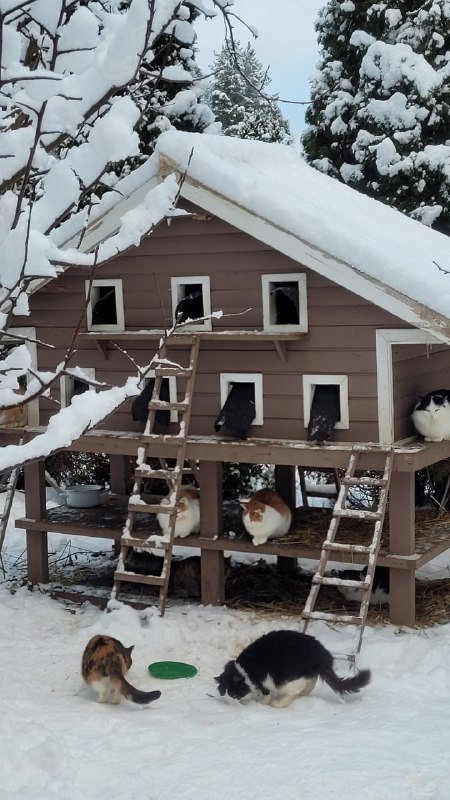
pixel 379 594
pixel 431 415
pixel 265 516
pixel 283 665
pixel 188 512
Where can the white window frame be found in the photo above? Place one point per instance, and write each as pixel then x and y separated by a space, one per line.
pixel 310 381
pixel 66 384
pixel 268 302
pixel 177 283
pixel 119 326
pixel 33 405
pixel 173 391
pixel 227 378
pixel 385 373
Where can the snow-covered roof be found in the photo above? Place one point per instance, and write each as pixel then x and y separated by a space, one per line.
pixel 270 192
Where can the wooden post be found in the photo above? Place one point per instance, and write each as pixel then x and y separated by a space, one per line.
pixel 285 486
pixel 119 480
pixel 211 525
pixel 37 544
pixel 402 542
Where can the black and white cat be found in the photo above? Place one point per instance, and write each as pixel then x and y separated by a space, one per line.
pixel 379 594
pixel 283 665
pixel 431 415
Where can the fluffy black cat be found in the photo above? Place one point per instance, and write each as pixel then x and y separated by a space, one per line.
pixel 283 665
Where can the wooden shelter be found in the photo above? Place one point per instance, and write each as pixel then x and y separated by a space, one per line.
pixel 381 346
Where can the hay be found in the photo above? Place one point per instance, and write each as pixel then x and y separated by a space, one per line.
pixel 261 588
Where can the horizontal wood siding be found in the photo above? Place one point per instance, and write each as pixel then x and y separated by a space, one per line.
pixel 418 369
pixel 340 340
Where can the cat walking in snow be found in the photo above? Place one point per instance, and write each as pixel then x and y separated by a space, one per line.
pixel 104 665
pixel 283 665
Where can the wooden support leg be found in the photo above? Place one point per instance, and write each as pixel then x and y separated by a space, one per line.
pixel 402 542
pixel 285 486
pixel 119 479
pixel 211 525
pixel 37 544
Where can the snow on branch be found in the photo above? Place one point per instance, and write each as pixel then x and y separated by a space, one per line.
pixel 71 77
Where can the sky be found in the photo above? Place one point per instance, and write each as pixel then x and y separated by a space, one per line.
pixel 286 43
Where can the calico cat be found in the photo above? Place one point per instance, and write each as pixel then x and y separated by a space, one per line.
pixel 283 665
pixel 188 512
pixel 265 516
pixel 104 665
pixel 379 594
pixel 431 415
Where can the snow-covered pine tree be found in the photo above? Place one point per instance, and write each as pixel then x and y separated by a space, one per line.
pixel 236 100
pixel 380 113
pixel 169 90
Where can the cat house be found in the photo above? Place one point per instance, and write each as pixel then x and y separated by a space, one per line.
pixel 332 305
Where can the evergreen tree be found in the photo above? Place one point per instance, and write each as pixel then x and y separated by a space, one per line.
pixel 174 101
pixel 380 113
pixel 235 97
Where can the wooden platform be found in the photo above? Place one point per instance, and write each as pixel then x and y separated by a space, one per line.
pixel 304 540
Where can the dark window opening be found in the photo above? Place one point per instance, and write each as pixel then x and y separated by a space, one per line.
pixel 284 303
pixel 325 412
pixel 139 406
pixel 190 305
pixel 238 411
pixel 104 309
pixel 79 386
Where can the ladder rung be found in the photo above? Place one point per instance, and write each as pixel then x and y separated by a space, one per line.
pixel 173 372
pixel 157 405
pixel 328 581
pixel 143 472
pixel 348 548
pixel 148 438
pixel 332 617
pixel 352 513
pixel 153 542
pixel 133 577
pixel 149 508
pixel 364 481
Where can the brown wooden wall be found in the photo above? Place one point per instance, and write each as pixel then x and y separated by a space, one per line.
pixel 341 337
pixel 418 369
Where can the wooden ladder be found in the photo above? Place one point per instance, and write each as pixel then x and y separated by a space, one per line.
pixel 4 516
pixel 330 546
pixel 172 475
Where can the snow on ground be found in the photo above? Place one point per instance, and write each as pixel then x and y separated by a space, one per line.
pixel 390 742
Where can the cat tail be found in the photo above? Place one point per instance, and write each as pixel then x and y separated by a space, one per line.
pixel 128 691
pixel 345 685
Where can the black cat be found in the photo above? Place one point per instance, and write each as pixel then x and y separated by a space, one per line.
pixel 283 665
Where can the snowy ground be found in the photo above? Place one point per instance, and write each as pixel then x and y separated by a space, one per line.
pixel 390 742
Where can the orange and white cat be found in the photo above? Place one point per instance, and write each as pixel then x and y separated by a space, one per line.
pixel 188 512
pixel 104 666
pixel 266 516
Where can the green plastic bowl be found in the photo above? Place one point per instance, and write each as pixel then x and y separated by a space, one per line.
pixel 169 670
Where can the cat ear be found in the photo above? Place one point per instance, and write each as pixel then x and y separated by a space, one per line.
pixel 130 649
pixel 217 680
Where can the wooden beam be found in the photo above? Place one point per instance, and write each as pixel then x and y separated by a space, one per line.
pixel 35 506
pixel 211 520
pixel 285 486
pixel 402 542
